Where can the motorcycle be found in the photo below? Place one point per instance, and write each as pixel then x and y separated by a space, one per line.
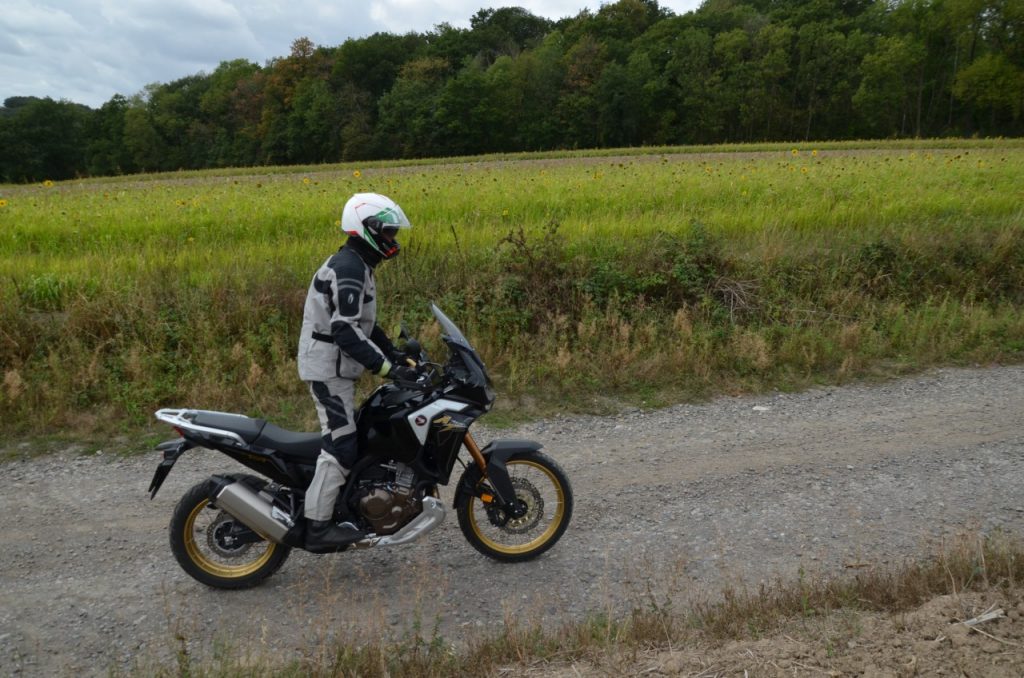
pixel 232 531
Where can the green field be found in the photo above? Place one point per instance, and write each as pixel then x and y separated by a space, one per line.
pixel 585 280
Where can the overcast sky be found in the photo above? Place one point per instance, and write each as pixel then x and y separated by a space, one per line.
pixel 89 50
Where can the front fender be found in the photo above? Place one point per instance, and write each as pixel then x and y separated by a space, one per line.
pixel 496 453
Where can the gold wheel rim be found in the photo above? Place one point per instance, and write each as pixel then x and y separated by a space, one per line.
pixel 537 541
pixel 197 556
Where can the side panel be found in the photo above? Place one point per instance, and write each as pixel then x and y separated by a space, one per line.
pixel 444 442
pixel 421 419
pixel 384 430
pixel 267 465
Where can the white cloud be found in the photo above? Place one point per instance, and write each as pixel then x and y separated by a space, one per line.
pixel 89 50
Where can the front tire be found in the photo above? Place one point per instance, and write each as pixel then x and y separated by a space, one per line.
pixel 542 486
pixel 203 545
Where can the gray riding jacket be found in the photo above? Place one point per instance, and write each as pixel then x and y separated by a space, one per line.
pixel 340 337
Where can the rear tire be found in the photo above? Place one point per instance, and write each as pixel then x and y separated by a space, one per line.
pixel 198 533
pixel 543 486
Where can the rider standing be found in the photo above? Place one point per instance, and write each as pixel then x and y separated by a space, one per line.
pixel 340 339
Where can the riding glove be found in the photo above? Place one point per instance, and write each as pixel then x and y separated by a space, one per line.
pixel 399 372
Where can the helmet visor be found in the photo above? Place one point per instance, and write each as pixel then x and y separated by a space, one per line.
pixel 391 219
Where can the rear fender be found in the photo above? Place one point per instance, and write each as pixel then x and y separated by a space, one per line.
pixel 172 449
pixel 496 454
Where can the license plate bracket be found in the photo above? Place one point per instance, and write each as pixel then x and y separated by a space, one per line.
pixel 172 449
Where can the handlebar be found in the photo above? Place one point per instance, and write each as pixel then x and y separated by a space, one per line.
pixel 425 380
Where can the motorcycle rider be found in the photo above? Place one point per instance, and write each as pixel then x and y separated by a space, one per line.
pixel 340 339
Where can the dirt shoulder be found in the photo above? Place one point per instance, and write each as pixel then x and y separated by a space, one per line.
pixel 675 503
pixel 931 640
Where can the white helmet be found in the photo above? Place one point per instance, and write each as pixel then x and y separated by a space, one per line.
pixel 375 219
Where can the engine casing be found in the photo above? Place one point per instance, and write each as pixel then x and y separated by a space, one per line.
pixel 388 507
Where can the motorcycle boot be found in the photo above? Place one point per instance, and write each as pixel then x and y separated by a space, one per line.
pixel 325 536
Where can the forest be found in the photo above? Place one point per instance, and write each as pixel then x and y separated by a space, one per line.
pixel 629 74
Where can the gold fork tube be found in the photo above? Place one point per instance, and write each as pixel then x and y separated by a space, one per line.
pixel 474 451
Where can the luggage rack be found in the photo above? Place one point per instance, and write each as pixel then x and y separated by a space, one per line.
pixel 180 419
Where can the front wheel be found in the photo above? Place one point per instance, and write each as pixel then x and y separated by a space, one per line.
pixel 216 549
pixel 543 491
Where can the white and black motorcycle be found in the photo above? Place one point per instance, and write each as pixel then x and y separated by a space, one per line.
pixel 233 531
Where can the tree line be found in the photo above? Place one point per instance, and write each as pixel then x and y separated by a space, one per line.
pixel 631 73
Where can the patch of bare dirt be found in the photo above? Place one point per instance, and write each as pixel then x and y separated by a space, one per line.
pixel 929 641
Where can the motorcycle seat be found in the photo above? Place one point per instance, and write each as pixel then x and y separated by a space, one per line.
pixel 302 446
pixel 247 428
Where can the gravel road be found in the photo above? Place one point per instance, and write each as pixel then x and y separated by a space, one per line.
pixel 679 501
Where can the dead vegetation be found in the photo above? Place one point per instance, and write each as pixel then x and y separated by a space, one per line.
pixel 960 612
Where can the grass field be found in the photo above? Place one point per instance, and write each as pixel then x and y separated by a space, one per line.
pixel 583 279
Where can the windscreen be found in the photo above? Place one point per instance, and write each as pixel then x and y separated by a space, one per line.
pixel 472 367
pixel 453 332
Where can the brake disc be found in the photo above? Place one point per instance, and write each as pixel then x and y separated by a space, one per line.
pixel 528 494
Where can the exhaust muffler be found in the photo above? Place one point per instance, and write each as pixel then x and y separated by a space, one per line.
pixel 255 510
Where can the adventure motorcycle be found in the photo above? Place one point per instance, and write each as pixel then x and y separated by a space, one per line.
pixel 233 531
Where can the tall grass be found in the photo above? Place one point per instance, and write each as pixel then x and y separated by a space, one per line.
pixel 662 275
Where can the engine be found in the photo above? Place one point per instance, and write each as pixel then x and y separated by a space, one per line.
pixel 389 504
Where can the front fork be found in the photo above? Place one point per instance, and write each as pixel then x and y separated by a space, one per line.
pixel 494 471
pixel 474 451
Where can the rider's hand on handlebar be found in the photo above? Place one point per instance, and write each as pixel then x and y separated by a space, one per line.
pixel 399 358
pixel 403 373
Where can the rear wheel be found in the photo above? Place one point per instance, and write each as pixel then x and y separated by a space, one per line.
pixel 545 499
pixel 216 549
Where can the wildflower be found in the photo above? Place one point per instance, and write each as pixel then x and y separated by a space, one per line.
pixel 337 222
pixel 814 153
pixel 804 170
pixel 357 174
pixel 795 152
pixel 48 183
pixel 305 180
pixel 3 203
pixel 504 212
